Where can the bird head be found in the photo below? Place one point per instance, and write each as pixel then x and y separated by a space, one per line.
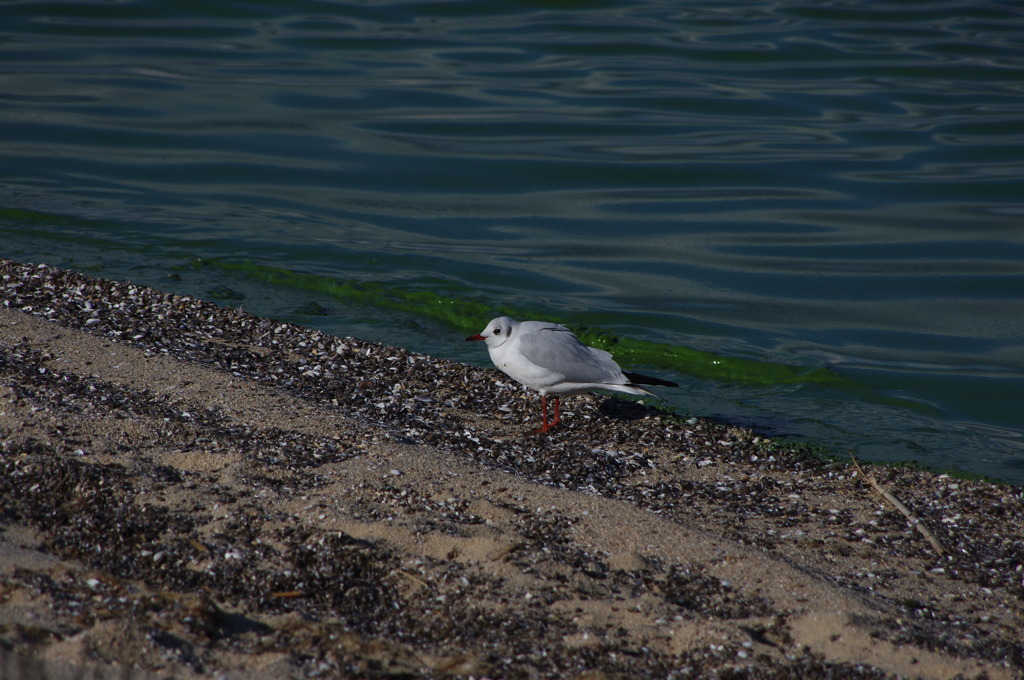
pixel 497 332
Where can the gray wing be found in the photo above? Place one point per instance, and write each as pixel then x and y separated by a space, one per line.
pixel 557 349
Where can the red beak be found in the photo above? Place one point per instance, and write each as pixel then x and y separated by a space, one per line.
pixel 475 337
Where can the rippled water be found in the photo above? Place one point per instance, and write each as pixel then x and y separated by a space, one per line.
pixel 810 183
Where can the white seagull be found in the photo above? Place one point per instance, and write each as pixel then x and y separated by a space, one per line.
pixel 549 359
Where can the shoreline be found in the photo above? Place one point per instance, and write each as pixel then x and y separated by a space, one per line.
pixel 190 491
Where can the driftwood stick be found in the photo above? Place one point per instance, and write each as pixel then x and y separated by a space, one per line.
pixel 895 502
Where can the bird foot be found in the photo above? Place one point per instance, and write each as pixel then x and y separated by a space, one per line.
pixel 547 427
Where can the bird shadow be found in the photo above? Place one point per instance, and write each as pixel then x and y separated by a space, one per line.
pixel 624 409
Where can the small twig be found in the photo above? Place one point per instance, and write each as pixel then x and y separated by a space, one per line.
pixel 287 594
pixel 895 502
pixel 410 577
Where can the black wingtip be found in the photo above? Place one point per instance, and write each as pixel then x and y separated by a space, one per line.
pixel 639 379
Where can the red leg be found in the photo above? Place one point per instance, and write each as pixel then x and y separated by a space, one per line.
pixel 545 425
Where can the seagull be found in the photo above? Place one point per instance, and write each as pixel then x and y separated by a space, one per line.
pixel 548 358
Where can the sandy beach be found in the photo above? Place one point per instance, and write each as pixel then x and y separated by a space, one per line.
pixel 192 491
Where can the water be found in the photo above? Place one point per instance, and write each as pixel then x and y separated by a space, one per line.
pixel 823 185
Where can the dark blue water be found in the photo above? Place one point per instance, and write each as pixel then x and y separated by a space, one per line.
pixel 812 183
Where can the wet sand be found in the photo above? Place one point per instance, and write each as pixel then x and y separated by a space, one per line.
pixel 193 491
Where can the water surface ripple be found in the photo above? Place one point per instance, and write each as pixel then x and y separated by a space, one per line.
pixel 815 184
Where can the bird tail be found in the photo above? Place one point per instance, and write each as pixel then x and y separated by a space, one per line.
pixel 639 379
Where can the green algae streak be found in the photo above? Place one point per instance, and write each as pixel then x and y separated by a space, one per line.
pixel 469 316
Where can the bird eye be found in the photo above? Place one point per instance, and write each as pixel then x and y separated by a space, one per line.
pixel 497 331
